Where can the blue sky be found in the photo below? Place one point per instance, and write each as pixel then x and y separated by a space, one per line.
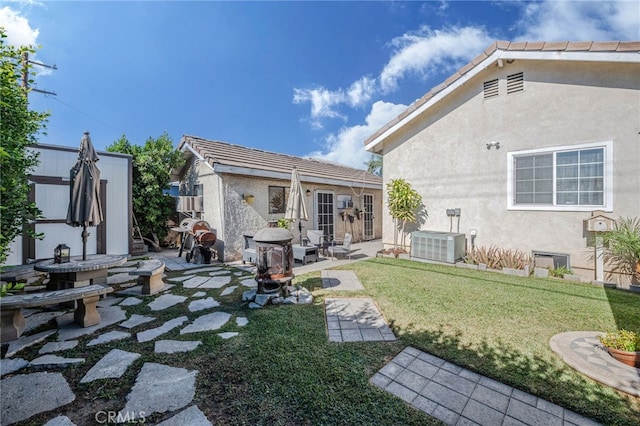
pixel 301 78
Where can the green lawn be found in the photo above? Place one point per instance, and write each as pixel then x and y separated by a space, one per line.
pixel 281 369
pixel 500 326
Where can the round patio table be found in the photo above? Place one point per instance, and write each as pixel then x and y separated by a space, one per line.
pixel 78 272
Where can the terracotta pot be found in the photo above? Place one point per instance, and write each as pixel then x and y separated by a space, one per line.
pixel 629 358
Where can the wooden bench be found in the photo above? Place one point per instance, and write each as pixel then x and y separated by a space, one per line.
pixel 150 275
pixel 12 322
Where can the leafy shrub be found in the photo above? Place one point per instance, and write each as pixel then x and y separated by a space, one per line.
pixel 498 258
pixel 514 259
pixel 559 272
pixel 623 340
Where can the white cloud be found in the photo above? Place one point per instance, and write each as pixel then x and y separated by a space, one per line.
pixel 418 53
pixel 427 50
pixel 346 147
pixel 580 21
pixel 18 30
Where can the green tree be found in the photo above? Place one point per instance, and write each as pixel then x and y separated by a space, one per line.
pixel 152 165
pixel 18 129
pixel 374 165
pixel 403 202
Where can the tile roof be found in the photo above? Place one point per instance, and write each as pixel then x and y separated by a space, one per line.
pixel 509 46
pixel 245 160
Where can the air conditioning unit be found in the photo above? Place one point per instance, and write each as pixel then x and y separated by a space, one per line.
pixel 437 246
pixel 345 204
pixel 189 204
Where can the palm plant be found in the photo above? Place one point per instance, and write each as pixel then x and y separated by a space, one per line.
pixel 622 246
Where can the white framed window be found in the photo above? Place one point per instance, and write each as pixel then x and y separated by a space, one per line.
pixel 566 178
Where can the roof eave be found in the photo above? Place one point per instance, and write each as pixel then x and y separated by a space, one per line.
pixel 376 143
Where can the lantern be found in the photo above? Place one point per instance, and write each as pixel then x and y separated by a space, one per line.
pixel 61 254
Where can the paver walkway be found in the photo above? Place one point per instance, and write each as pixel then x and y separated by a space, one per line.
pixel 458 396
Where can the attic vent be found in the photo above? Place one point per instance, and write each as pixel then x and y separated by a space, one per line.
pixel 515 83
pixel 490 88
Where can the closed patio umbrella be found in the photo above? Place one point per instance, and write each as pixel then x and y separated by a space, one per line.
pixel 84 191
pixel 296 207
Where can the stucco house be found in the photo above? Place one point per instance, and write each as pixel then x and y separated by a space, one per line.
pixel 240 190
pixel 528 141
pixel 50 191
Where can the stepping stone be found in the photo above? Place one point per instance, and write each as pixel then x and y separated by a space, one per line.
pixel 60 421
pixel 228 335
pixel 166 301
pixel 192 416
pixel 211 268
pixel 202 304
pixel 160 388
pixel 194 282
pixel 136 320
pixel 249 282
pixel 219 272
pixel 108 301
pixel 68 330
pixel 37 319
pixel 109 337
pixel 227 291
pixel 131 301
pixel 120 278
pixel 207 322
pixel 173 346
pixel 52 361
pixel 111 366
pixel 57 346
pixel 25 395
pixel 199 294
pixel 148 335
pixel 216 282
pixel 26 341
pixel 242 321
pixel 136 290
pixel 249 294
pixel 11 365
pixel 182 278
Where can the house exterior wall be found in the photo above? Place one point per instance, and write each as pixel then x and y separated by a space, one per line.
pixel 444 156
pixel 53 200
pixel 225 208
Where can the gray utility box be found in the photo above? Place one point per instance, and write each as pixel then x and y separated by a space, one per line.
pixel 446 247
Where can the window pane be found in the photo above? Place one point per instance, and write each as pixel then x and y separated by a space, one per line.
pixel 567 171
pixel 522 162
pixel 524 174
pixel 524 186
pixel 524 198
pixel 544 186
pixel 592 155
pixel 567 198
pixel 591 170
pixel 567 185
pixel 591 184
pixel 591 198
pixel 544 198
pixel 570 157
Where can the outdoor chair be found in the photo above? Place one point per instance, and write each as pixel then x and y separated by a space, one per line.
pixel 316 237
pixel 344 249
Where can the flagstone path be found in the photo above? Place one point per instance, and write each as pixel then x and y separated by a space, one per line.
pixel 443 390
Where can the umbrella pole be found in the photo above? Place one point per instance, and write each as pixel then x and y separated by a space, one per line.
pixel 85 234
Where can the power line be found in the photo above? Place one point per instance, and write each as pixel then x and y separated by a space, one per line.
pixel 85 114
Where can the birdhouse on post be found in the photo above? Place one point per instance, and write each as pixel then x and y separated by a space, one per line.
pixel 599 223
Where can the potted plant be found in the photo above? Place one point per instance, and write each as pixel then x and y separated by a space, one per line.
pixel 622 247
pixel 623 345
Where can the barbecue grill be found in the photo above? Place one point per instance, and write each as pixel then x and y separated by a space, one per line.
pixel 199 241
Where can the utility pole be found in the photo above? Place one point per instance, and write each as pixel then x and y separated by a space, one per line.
pixel 25 74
